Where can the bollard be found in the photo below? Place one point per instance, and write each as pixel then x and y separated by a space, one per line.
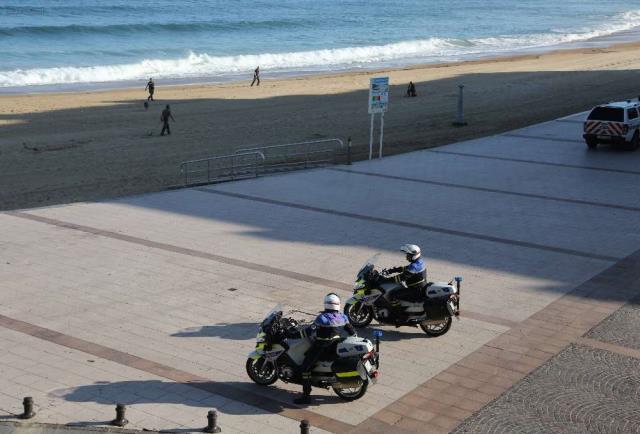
pixel 460 117
pixel 349 151
pixel 304 427
pixel 212 422
pixel 120 420
pixel 27 403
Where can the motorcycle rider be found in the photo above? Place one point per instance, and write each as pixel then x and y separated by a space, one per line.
pixel 412 276
pixel 329 326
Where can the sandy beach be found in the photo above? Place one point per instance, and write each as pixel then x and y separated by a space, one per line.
pixel 58 148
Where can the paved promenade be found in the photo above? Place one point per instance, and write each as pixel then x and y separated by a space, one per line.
pixel 153 301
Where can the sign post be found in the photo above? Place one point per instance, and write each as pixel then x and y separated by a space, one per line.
pixel 371 138
pixel 381 133
pixel 378 103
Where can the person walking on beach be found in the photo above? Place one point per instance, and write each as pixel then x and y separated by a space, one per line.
pixel 411 89
pixel 256 76
pixel 164 118
pixel 151 87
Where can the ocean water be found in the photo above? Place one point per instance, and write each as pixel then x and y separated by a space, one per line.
pixel 73 42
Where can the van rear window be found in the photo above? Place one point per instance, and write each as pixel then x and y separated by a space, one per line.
pixel 611 114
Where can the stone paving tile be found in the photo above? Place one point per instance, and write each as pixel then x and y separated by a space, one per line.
pixel 332 256
pixel 478 378
pixel 144 320
pixel 149 276
pixel 621 328
pixel 581 390
pixel 90 394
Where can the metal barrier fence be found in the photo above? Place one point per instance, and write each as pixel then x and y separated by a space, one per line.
pixel 255 161
pixel 291 156
pixel 223 168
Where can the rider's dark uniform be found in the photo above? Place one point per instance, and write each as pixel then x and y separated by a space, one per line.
pixel 413 275
pixel 330 326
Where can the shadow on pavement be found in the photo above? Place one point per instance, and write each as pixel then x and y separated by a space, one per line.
pixel 230 397
pixel 232 331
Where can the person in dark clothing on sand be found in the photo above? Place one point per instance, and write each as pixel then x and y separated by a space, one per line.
pixel 151 87
pixel 164 118
pixel 256 76
pixel 411 89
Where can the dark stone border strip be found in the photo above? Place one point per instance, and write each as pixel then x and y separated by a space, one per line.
pixel 227 391
pixel 540 163
pixel 185 251
pixel 600 345
pixel 548 139
pixel 490 190
pixel 229 261
pixel 403 224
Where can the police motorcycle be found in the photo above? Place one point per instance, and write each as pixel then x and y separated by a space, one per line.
pixel 280 348
pixel 432 309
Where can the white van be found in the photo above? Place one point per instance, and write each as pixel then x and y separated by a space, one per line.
pixel 615 123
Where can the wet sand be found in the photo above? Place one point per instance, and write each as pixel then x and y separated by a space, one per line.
pixel 58 148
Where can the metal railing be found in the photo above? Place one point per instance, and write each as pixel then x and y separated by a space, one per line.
pixel 298 155
pixel 254 161
pixel 223 168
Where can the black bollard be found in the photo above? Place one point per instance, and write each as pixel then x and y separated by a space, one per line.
pixel 212 422
pixel 27 403
pixel 349 151
pixel 304 427
pixel 120 420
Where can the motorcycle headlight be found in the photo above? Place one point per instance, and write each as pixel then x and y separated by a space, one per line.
pixel 359 285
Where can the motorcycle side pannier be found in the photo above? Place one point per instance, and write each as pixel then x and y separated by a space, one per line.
pixel 346 364
pixel 436 308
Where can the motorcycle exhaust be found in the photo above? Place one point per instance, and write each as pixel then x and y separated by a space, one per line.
pixel 432 321
pixel 348 384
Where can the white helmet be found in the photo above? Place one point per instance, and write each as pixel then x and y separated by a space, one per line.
pixel 332 302
pixel 412 251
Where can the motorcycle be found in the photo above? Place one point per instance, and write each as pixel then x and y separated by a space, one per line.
pixel 432 308
pixel 280 349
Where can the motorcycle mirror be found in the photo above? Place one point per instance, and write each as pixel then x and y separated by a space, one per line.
pixel 377 333
pixel 458 278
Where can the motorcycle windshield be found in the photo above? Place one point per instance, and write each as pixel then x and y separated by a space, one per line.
pixel 369 265
pixel 277 310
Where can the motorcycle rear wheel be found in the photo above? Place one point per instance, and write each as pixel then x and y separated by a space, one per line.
pixel 260 374
pixel 358 320
pixel 437 330
pixel 353 393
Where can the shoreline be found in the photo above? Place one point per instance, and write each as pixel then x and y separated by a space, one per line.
pixel 78 146
pixel 614 40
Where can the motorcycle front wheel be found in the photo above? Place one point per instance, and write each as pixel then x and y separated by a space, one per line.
pixel 359 315
pixel 262 372
pixel 435 330
pixel 352 393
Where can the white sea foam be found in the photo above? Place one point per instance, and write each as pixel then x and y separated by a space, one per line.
pixel 204 65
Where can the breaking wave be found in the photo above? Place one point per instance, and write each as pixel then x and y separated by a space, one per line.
pixel 205 65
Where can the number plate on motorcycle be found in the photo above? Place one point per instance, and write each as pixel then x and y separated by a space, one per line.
pixel 367 366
